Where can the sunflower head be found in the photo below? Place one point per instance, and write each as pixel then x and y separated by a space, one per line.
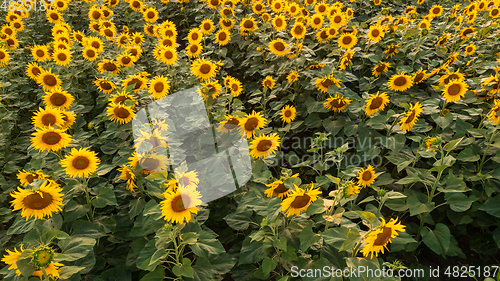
pixel 378 238
pixel 38 202
pixel 263 146
pixel 42 257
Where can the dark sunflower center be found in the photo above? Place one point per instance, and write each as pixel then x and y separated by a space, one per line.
pixel 207 26
pixel 248 24
pixel 280 189
pixel 375 33
pixel 323 35
pixel 251 124
pixel 337 19
pixel 226 23
pixel 300 201
pixel 279 22
pixel 418 77
pixel 96 15
pixel 58 99
pixel 383 237
pixel 80 162
pixel 222 36
pixel 298 29
pixel 121 112
pixel 48 119
pixel 30 178
pixel 54 16
pixel 194 48
pixel 62 57
pixel 410 118
pixel 105 86
pixel 400 81
pixel 136 4
pixel 205 68
pixel 279 46
pixel 327 82
pixel 195 36
pixel 90 53
pixel 167 42
pixel 214 2
pixel 380 68
pixel 322 8
pixel 227 12
pixel 367 175
pixel 151 14
pixel 494 12
pixel 184 180
pixel 469 49
pixel 258 7
pixel 317 21
pixel 159 87
pixel 2 55
pixel 467 31
pixel 178 204
pixel 121 99
pixel 49 80
pixel 137 82
pixel 347 40
pixel 264 145
pixel 337 103
pixel 231 123
pixel 108 33
pixel 51 138
pixel 126 60
pixel 36 201
pixel 376 103
pixel 288 113
pixel 150 164
pixel 235 87
pixel 454 89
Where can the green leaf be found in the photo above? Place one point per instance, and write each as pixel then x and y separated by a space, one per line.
pixel 21 225
pixel 438 240
pixel 25 267
pixel 416 207
pixel 442 121
pixel 280 243
pixel 459 202
pixel 157 275
pixel 366 264
pixel 341 237
pixel 317 207
pixel 252 252
pixel 144 258
pixel 86 229
pixel 290 182
pixel 467 155
pixel 135 207
pixel 268 265
pixel 66 272
pixel 207 244
pixel 202 270
pixel 76 247
pixel 75 211
pixel 183 269
pixel 351 239
pixel 104 169
pixel 307 238
pixel 452 144
pixel 106 197
pixel 492 206
pixel 273 209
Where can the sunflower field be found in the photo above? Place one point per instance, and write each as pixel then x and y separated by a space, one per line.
pixel 369 140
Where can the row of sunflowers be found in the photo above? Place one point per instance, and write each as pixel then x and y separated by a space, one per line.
pixel 372 131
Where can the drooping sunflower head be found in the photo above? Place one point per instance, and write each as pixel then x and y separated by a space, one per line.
pixel 419 76
pixel 378 239
pixel 337 103
pixel 323 83
pixel 151 163
pixel 380 68
pixel 137 81
pixel 27 178
pixel 38 203
pixel 298 200
pixel 376 103
pixel 277 189
pixel 411 117
pixel 104 85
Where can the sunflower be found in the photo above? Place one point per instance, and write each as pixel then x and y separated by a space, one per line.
pixel 159 87
pixel 137 38
pixel 278 188
pixel 252 122
pixel 292 76
pixel 222 37
pixel 121 97
pixel 183 179
pixel 40 52
pixel 168 42
pixel 470 49
pixel 127 174
pixel 454 90
pixel 298 30
pixel 235 86
pixel 203 69
pixel 491 84
pixel 226 23
pixel 350 188
pixel 120 113
pixel 366 177
pixel 47 117
pixel 27 178
pixel 446 78
pixel 268 82
pixel 150 14
pixel 265 17
pixel 230 123
pixel 61 57
pixel 411 117
pixel 323 83
pixel 293 9
pixel 346 59
pixel 494 12
pixel 207 26
pixel 179 205
pixel 378 239
pixel 278 47
pixel 54 16
pixel 210 89
pixel 125 59
pixel 167 55
pixel 194 50
pixel 195 36
pixel 58 98
pixel 45 201
pixel 154 138
pixel 322 35
pixel 248 25
pixel 466 32
pixel 69 118
pixel 316 21
pixel 379 68
pixel 288 113
pixel 347 41
pixel 279 23
pixel 442 41
pixel 376 33
pixel 258 8
pixel 263 146
pixel 135 52
pixel 33 70
pixel 151 163
pixel 18 25
pixel 50 139
pixel 299 199
pixel 108 65
pixel 376 103
pixel 494 114
pixel 337 20
pixel 419 76
pixel 95 43
pixel 400 82
pixel 436 11
pixel 104 85
pixel 139 82
pixel 4 57
pixel 336 103
pixel 80 162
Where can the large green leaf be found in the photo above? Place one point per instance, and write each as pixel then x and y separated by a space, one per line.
pixel 307 238
pixel 438 240
pixel 76 247
pixel 492 206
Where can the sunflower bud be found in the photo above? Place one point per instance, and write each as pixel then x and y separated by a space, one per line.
pixel 425 32
pixel 42 257
pixel 382 192
pixel 90 125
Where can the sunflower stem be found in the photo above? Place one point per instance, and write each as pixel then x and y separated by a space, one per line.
pixel 493 135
